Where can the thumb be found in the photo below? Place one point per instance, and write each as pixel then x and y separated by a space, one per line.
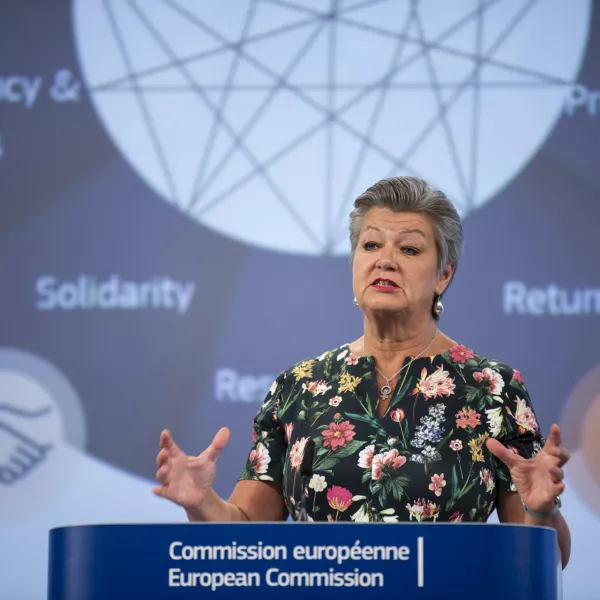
pixel 554 437
pixel 218 444
pixel 502 452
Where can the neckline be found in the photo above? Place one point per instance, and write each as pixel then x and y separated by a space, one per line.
pixel 371 358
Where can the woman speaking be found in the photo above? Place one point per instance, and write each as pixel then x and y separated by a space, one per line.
pixel 407 423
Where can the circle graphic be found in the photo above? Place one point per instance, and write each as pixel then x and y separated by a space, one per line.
pixel 40 416
pixel 580 424
pixel 263 122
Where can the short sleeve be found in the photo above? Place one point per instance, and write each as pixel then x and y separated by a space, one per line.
pixel 267 455
pixel 518 429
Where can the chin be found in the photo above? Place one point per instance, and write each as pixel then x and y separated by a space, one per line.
pixel 384 306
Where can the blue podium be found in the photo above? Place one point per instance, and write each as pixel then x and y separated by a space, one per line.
pixel 308 560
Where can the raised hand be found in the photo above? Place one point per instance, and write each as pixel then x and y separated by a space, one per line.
pixel 184 479
pixel 539 479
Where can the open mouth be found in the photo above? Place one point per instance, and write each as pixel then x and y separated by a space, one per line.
pixel 388 283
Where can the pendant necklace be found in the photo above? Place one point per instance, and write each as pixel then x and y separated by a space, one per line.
pixel 386 389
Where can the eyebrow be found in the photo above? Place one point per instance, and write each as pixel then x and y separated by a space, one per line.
pixel 401 232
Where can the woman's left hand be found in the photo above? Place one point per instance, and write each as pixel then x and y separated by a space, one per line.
pixel 539 480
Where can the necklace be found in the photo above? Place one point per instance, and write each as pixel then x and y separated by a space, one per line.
pixel 386 389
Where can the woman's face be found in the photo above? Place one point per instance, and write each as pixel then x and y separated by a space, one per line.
pixel 395 264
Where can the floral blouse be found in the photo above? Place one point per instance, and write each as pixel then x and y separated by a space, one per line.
pixel 425 459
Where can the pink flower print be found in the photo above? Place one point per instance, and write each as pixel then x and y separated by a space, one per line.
pixel 316 387
pixel 365 457
pixel 437 483
pixel 423 509
pixel 456 517
pixel 351 359
pixel 254 436
pixel 460 354
pixel 275 409
pixel 517 376
pixel 432 510
pixel 289 428
pixel 438 383
pixel 467 417
pixel 390 459
pixel 416 510
pixel 338 435
pixel 260 459
pixel 335 401
pixel 492 379
pixel 297 453
pixel 456 445
pixel 486 478
pixel 397 415
pixel 524 417
pixel 339 498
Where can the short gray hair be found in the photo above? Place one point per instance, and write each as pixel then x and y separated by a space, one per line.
pixel 415 195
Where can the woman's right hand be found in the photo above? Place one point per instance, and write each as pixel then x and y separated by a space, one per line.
pixel 186 480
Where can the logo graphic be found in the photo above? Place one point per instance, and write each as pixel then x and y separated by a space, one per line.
pixel 39 414
pixel 263 122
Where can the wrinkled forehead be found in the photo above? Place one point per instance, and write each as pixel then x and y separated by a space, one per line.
pixel 396 224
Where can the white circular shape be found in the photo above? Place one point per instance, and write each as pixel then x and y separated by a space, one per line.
pixel 40 415
pixel 29 410
pixel 264 122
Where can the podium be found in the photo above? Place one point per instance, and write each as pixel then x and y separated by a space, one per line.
pixel 304 560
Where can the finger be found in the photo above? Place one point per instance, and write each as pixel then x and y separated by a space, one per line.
pixel 510 459
pixel 218 444
pixel 162 457
pixel 166 439
pixel 557 474
pixel 160 490
pixel 554 437
pixel 162 474
pixel 168 443
pixel 560 453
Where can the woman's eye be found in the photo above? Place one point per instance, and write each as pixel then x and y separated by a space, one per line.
pixel 370 245
pixel 410 251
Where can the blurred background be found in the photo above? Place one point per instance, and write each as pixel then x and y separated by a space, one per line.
pixel 175 183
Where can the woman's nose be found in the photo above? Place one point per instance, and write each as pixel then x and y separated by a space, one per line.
pixel 387 261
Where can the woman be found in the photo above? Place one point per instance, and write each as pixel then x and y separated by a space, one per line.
pixel 408 424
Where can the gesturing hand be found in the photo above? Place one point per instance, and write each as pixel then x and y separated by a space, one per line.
pixel 539 479
pixel 185 479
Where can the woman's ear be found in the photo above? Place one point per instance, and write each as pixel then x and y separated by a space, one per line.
pixel 445 279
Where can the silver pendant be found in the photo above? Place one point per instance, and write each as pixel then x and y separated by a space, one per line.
pixel 386 390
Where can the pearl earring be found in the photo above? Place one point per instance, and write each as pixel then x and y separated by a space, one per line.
pixel 438 307
pixel 355 302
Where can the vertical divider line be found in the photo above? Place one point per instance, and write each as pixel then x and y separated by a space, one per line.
pixel 420 563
